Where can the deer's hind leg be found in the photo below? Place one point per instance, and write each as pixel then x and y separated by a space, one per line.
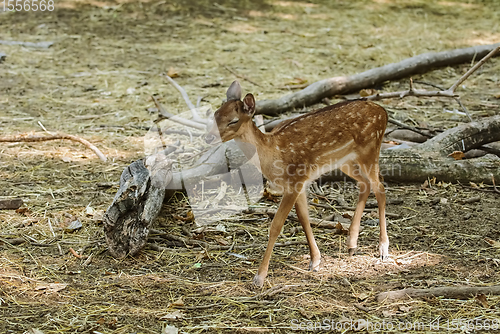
pixel 352 170
pixel 372 172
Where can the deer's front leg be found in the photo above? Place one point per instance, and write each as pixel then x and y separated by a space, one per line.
pixel 274 231
pixel 303 215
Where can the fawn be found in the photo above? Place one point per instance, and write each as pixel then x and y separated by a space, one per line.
pixel 346 136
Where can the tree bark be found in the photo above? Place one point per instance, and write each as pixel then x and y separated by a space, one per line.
pixel 317 91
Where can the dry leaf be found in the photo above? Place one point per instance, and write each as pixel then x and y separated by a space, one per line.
pixel 404 309
pixel 189 216
pixel 176 315
pixel 170 330
pixel 172 72
pixel 367 92
pixel 497 96
pixel 305 314
pixel 388 313
pixel 221 241
pixel 494 243
pixel 457 155
pixel 51 287
pixel 481 298
pixel 178 303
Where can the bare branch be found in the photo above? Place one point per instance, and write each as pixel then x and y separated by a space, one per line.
pixel 163 114
pixel 474 68
pixel 58 136
pixel 192 108
pixel 450 92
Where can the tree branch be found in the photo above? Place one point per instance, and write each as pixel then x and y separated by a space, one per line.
pixel 58 136
pixel 315 92
pixel 450 92
pixel 192 108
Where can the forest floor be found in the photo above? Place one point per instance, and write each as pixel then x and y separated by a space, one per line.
pixel 96 81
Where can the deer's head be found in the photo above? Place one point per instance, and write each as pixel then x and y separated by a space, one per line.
pixel 227 122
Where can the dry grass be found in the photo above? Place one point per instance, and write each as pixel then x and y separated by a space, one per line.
pixel 96 81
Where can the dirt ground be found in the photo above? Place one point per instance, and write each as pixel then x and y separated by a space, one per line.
pixel 95 82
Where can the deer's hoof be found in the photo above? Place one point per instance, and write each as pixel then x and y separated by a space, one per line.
pixel 384 251
pixel 258 281
pixel 352 251
pixel 314 265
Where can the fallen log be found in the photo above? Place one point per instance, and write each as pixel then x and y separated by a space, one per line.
pixel 454 292
pixel 319 90
pixel 136 204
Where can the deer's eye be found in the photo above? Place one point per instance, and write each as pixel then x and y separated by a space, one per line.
pixel 234 121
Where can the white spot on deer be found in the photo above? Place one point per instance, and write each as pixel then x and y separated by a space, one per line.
pixel 301 151
pixel 292 150
pixel 324 144
pixel 321 123
pixel 277 147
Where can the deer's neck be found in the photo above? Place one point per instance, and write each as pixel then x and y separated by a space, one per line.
pixel 253 143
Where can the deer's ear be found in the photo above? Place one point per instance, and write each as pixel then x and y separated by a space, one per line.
pixel 249 104
pixel 234 91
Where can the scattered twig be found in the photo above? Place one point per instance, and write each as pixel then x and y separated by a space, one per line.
pixel 456 98
pixel 456 292
pixel 58 136
pixel 13 242
pixel 190 105
pixel 411 128
pixel 75 254
pixel 480 189
pixel 240 75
